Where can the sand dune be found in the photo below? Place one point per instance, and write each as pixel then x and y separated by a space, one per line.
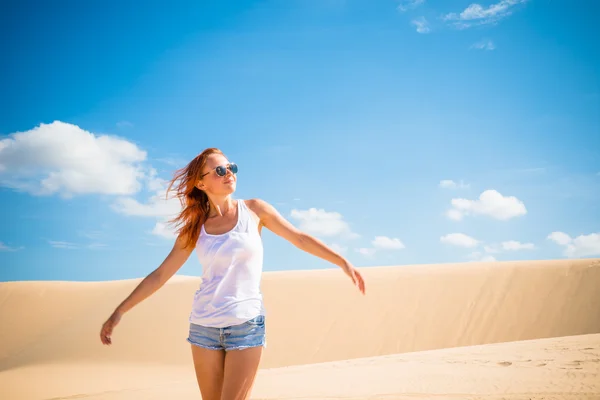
pixel 565 368
pixel 49 335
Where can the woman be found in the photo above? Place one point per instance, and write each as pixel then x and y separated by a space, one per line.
pixel 227 320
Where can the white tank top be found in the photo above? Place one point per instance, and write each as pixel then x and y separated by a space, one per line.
pixel 232 266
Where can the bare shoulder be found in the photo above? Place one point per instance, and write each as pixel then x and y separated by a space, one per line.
pixel 270 218
pixel 260 207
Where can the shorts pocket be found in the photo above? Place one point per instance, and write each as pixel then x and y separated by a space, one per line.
pixel 257 321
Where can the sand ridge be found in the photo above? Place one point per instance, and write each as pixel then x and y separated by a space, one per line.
pixel 49 333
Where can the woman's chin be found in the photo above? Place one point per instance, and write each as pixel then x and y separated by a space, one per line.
pixel 229 188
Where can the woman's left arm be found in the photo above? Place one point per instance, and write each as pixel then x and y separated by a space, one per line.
pixel 276 223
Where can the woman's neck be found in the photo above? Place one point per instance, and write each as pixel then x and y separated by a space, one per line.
pixel 221 206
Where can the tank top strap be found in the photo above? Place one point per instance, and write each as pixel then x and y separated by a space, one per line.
pixel 245 217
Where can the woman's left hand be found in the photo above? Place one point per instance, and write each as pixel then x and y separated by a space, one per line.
pixel 356 277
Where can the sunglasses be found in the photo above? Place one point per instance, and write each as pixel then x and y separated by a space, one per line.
pixel 221 170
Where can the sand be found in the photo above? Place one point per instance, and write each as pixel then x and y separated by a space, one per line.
pixel 501 330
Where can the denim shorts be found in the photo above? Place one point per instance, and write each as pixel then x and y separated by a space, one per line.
pixel 249 334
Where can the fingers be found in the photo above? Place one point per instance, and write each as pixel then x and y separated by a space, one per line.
pixel 358 280
pixel 361 283
pixel 106 332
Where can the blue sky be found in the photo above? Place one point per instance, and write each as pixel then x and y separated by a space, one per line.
pixel 398 132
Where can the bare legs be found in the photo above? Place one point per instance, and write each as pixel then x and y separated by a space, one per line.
pixel 240 370
pixel 209 365
pixel 226 376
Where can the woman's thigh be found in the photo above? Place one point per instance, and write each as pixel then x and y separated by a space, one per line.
pixel 244 344
pixel 240 371
pixel 209 360
pixel 210 371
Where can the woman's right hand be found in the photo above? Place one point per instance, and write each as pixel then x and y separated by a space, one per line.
pixel 108 326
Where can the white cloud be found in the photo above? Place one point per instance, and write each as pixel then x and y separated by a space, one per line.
pixel 322 223
pixel 459 239
pixel 450 184
pixel 4 247
pixel 384 242
pixel 405 5
pixel 454 214
pixel 490 203
pixel 58 244
pixel 380 243
pixel 477 256
pixel 475 14
pixel 513 245
pixel 162 229
pixel 462 240
pixel 421 24
pixel 65 159
pixel 157 206
pixel 484 44
pixel 62 245
pixel 95 246
pixel 366 251
pixel 581 246
pixel 560 238
pixel 491 249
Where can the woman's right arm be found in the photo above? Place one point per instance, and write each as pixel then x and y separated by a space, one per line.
pixel 149 285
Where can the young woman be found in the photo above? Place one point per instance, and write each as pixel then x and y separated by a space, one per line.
pixel 227 320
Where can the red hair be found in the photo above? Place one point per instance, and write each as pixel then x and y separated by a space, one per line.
pixel 194 202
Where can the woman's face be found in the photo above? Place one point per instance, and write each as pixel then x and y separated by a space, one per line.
pixel 211 182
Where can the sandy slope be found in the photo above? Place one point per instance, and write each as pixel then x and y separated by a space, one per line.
pixel 49 330
pixel 565 368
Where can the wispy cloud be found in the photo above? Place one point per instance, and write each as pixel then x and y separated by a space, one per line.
pixel 94 235
pixel 421 24
pixel 159 205
pixel 478 256
pixel 484 44
pixel 450 184
pixel 580 246
pixel 96 246
pixel 405 5
pixel 4 247
pixel 59 244
pixel 514 245
pixel 366 251
pixel 475 14
pixel 482 251
pixel 176 162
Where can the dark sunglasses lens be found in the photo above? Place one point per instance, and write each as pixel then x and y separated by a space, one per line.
pixel 233 167
pixel 221 171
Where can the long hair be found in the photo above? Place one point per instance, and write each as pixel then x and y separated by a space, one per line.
pixel 195 203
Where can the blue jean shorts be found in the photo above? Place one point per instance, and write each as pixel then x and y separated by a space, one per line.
pixel 248 334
